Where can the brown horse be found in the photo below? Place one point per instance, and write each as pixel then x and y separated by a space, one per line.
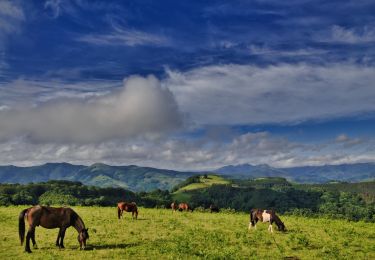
pixel 174 206
pixel 49 217
pixel 128 207
pixel 265 216
pixel 184 207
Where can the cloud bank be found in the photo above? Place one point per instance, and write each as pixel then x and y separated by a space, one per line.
pixel 141 107
pixel 285 93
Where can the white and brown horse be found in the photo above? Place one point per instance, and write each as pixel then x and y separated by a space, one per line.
pixel 265 216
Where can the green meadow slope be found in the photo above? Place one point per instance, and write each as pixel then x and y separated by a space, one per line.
pixel 184 190
pixel 162 234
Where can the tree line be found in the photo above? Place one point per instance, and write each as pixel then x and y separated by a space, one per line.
pixel 238 196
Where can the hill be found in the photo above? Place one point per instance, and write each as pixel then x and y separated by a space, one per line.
pixel 182 191
pixel 131 177
pixel 137 178
pixel 306 174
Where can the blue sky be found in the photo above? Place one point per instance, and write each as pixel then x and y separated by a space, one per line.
pixel 187 84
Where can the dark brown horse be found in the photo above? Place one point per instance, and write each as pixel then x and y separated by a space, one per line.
pixel 184 207
pixel 265 216
pixel 49 217
pixel 128 207
pixel 174 206
pixel 214 208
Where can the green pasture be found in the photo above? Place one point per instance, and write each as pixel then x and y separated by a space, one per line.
pixel 163 234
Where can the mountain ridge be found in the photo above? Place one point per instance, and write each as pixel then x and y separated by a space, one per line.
pixel 138 178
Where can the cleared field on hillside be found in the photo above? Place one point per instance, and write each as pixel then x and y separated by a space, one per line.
pixel 182 194
pixel 159 233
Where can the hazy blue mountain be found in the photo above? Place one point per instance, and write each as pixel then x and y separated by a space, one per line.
pixel 131 177
pixel 138 178
pixel 306 174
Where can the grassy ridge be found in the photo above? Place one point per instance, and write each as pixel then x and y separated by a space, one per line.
pixel 183 194
pixel 159 233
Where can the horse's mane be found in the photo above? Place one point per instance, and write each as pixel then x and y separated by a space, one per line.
pixel 76 220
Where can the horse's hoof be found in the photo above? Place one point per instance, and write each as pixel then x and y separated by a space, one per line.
pixel 28 251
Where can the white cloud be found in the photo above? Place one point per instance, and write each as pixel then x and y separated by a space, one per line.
pixel 54 6
pixel 128 37
pixel 141 107
pixel 245 94
pixel 352 35
pixel 11 14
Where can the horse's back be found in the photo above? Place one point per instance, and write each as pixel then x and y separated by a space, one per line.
pixel 50 217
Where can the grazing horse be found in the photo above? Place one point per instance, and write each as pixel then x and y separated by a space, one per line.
pixel 265 216
pixel 184 206
pixel 214 208
pixel 49 217
pixel 174 206
pixel 128 207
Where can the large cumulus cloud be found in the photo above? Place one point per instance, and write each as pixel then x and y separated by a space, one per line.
pixel 141 107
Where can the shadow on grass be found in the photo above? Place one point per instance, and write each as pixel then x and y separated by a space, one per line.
pixel 111 246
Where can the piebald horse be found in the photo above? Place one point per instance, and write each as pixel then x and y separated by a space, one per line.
pixel 128 207
pixel 49 217
pixel 174 206
pixel 265 216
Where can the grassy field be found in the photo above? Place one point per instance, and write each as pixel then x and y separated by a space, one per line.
pixel 159 233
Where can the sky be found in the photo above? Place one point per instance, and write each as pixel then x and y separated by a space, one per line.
pixel 187 85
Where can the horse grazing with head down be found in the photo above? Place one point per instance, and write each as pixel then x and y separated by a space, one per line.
pixel 49 217
pixel 128 207
pixel 265 216
pixel 184 207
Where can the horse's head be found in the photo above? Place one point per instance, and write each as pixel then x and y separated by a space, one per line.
pixel 281 227
pixel 82 237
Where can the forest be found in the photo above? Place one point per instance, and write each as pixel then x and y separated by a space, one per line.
pixel 351 201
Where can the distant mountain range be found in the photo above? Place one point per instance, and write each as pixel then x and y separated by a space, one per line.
pixel 138 178
pixel 129 177
pixel 305 174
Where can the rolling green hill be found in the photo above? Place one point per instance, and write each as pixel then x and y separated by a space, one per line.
pixel 183 191
pixel 138 178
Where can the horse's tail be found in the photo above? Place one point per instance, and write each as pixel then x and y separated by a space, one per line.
pixel 118 212
pixel 136 212
pixel 21 225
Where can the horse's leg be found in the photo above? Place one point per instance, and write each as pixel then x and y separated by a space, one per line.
pixel 28 236
pixel 33 240
pixel 58 238
pixel 62 235
pixel 270 227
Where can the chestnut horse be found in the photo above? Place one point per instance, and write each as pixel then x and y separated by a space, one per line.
pixel 184 207
pixel 49 217
pixel 128 207
pixel 265 216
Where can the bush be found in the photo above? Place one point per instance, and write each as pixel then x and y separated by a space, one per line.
pixel 53 198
